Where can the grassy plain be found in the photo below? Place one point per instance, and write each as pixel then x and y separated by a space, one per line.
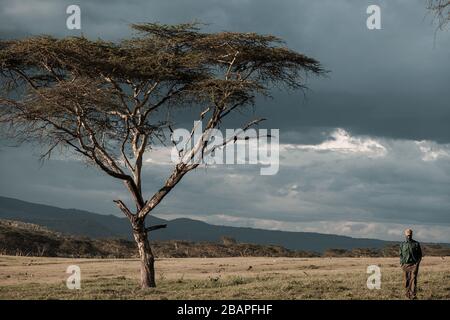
pixel 219 278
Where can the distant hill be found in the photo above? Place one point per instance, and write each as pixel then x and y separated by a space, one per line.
pixel 26 239
pixel 84 223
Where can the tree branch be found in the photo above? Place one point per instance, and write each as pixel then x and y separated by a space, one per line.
pixel 155 227
pixel 125 209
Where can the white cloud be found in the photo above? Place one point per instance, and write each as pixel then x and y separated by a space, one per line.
pixel 432 151
pixel 341 141
pixel 159 156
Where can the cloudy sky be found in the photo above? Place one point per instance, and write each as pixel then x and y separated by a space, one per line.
pixel 365 153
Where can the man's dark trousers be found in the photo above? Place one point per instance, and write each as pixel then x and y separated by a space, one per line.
pixel 410 272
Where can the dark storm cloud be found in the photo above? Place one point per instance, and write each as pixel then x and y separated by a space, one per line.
pixel 389 84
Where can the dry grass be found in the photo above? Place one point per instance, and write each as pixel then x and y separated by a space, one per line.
pixel 219 278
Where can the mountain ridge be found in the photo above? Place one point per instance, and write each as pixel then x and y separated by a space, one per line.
pixel 84 223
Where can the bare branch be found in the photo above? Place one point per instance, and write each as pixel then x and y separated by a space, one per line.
pixel 124 209
pixel 441 10
pixel 156 227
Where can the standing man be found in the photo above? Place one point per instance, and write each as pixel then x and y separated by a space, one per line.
pixel 410 257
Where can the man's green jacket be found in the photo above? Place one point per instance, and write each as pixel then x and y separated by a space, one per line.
pixel 410 252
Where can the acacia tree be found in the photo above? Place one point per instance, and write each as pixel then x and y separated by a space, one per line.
pixel 104 100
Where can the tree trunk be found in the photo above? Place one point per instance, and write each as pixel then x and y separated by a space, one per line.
pixel 146 256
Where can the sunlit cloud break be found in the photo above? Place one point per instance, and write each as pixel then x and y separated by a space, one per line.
pixel 342 142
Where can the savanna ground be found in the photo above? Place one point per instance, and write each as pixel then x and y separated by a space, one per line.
pixel 219 278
